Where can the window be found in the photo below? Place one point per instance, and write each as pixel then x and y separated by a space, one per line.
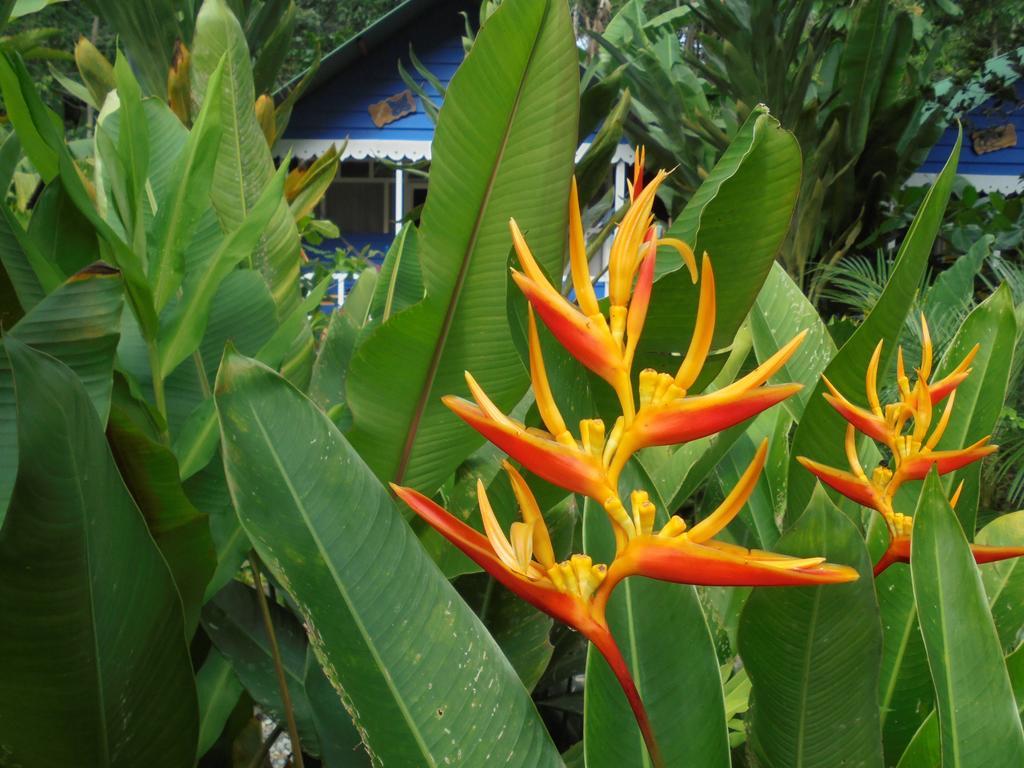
pixel 361 198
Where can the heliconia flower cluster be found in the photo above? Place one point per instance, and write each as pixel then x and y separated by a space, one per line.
pixel 656 409
pixel 905 428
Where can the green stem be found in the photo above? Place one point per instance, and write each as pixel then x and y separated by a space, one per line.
pixel 158 387
pixel 259 757
pixel 282 683
pixel 204 381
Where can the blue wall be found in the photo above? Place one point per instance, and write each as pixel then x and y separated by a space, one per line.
pixel 1002 162
pixel 338 107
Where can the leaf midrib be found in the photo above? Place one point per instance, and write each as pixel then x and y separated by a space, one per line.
pixel 339 584
pixel 80 493
pixel 634 662
pixel 804 689
pixel 890 688
pixel 954 739
pixel 449 316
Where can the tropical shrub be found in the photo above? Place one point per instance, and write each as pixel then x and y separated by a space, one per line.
pixel 197 523
pixel 850 82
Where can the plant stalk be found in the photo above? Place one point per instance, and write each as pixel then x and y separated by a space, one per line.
pixel 259 757
pixel 158 388
pixel 286 699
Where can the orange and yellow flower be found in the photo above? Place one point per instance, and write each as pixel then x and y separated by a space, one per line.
pixel 908 429
pixel 658 409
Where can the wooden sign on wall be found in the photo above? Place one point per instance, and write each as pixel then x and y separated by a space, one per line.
pixel 996 137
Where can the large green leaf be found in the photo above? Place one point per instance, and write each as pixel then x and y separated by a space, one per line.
pixel 148 29
pixel 60 240
pixel 979 724
pixel 234 622
pixel 503 148
pixel 740 216
pixel 243 313
pixel 185 324
pixel 346 327
pixel 340 743
pixel 979 399
pixel 208 491
pixel 813 655
pixel 819 435
pixel 860 74
pixel 1004 581
pixel 663 634
pixel 925 749
pixel 31 116
pixel 400 281
pixel 422 678
pixel 759 511
pixel 77 324
pixel 150 472
pixel 905 691
pixel 92 640
pixel 244 167
pixel 179 213
pixel 218 689
pixel 780 313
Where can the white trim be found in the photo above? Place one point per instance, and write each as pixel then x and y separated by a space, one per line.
pixel 623 153
pixel 390 149
pixel 340 278
pixel 356 149
pixel 983 182
pixel 399 199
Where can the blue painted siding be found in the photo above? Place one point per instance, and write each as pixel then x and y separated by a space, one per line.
pixel 1002 162
pixel 339 107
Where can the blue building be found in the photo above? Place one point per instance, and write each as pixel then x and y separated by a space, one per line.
pixel 358 95
pixel 359 100
pixel 991 158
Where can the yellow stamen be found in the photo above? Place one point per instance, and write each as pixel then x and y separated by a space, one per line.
pixel 675 526
pixel 592 436
pixel 613 506
pixel 588 576
pixel 613 441
pixel 648 385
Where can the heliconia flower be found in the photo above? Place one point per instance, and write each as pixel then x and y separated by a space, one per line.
pixel 692 556
pixel 553 454
pixel 576 591
pixel 905 427
pixel 564 590
pixel 661 411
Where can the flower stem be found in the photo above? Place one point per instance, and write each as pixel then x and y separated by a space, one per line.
pixel 286 699
pixel 605 643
